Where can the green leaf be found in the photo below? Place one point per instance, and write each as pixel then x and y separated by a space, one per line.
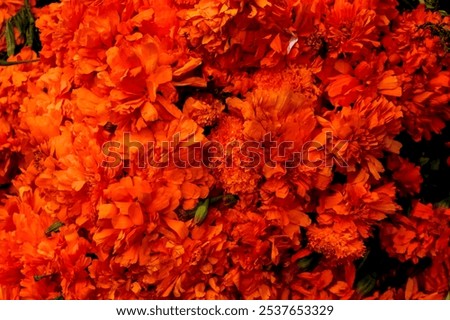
pixel 308 263
pixel 30 28
pixel 423 161
pixel 366 285
pixel 10 40
pixel 431 4
pixel 53 228
pixel 24 21
pixel 29 35
pixel 17 21
pixel 445 203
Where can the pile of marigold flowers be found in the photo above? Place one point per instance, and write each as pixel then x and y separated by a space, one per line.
pixel 323 132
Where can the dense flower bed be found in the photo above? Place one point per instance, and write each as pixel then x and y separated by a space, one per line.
pixel 103 196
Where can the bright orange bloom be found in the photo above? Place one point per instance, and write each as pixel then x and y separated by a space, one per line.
pixel 346 215
pixel 424 233
pixel 351 28
pixel 366 131
pixel 418 56
pixel 406 174
pixel 204 110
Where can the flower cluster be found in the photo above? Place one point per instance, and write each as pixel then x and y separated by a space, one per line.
pixel 358 72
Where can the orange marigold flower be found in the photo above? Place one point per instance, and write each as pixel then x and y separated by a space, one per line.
pixel 234 177
pixel 360 76
pixel 302 80
pixel 346 216
pixel 424 233
pixel 205 24
pixel 204 109
pixel 366 130
pixel 418 57
pixel 351 28
pixel 406 174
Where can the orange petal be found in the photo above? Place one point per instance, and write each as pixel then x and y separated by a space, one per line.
pixel 343 67
pixel 101 236
pixel 190 190
pixel 189 66
pixel 179 227
pixel 122 222
pixel 107 211
pixel 276 44
pixel 149 112
pixel 77 185
pixel 411 288
pixel 135 213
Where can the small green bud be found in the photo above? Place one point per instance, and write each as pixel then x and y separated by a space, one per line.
pixel 201 212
